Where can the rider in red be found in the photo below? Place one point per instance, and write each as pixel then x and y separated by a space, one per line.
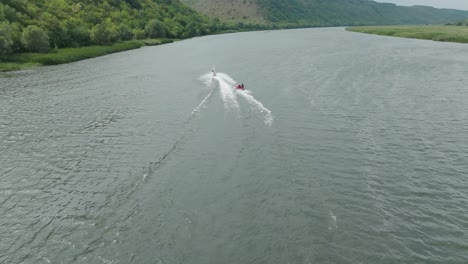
pixel 240 86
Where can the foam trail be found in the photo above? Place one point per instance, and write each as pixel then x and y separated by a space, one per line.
pixel 226 78
pixel 250 99
pixel 202 103
pixel 268 119
pixel 227 93
pixel 207 79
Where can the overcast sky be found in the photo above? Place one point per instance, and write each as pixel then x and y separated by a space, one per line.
pixel 455 4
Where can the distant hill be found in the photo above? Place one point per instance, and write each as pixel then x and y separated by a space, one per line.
pixel 228 10
pixel 325 12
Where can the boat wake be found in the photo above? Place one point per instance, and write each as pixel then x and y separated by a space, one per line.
pixel 202 104
pixel 258 106
pixel 229 96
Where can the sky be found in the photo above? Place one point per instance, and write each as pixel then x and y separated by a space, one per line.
pixel 454 4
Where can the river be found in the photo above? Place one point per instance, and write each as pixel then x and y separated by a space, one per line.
pixel 344 148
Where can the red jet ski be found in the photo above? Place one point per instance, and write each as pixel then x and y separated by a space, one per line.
pixel 240 86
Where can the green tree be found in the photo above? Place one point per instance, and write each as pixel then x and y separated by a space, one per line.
pixel 35 39
pixel 5 46
pixel 16 34
pixel 155 29
pixel 8 13
pixel 2 12
pixel 73 23
pixel 125 33
pixel 58 36
pixel 6 40
pixel 78 32
pixel 102 34
pixel 139 33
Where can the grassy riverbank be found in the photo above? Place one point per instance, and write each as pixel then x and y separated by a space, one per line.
pixel 59 56
pixel 457 34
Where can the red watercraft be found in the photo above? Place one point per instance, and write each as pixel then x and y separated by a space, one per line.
pixel 239 86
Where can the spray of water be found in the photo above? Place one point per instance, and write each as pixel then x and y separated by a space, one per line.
pixel 227 93
pixel 207 79
pixel 247 95
pixel 229 96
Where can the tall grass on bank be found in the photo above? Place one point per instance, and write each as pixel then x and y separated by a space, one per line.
pixel 437 33
pixel 66 55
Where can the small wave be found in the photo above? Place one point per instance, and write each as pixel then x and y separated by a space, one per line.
pixel 154 166
pixel 332 225
pixel 103 121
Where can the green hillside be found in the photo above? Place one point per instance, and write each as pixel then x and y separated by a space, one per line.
pixel 229 10
pixel 330 12
pixel 42 26
pixel 38 25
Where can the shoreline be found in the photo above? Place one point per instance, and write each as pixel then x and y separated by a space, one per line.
pixel 23 61
pixel 28 60
pixel 454 34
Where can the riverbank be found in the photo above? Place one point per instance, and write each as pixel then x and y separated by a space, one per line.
pixel 23 61
pixel 458 34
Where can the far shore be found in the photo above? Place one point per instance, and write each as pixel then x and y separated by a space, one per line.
pixel 23 61
pixel 28 60
pixel 457 34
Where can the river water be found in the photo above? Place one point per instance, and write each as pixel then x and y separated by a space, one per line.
pixel 344 148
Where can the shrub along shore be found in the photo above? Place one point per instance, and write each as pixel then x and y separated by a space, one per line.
pixel 22 61
pixel 26 60
pixel 448 33
pixel 45 32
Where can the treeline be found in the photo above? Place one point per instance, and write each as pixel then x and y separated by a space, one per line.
pixel 459 23
pixel 353 12
pixel 39 25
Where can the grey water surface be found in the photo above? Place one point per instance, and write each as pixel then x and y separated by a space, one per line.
pixel 345 148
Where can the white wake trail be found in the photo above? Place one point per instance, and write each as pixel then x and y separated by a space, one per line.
pixel 197 109
pixel 258 106
pixel 226 78
pixel 208 80
pixel 227 93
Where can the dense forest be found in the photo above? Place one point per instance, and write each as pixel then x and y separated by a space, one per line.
pixel 39 25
